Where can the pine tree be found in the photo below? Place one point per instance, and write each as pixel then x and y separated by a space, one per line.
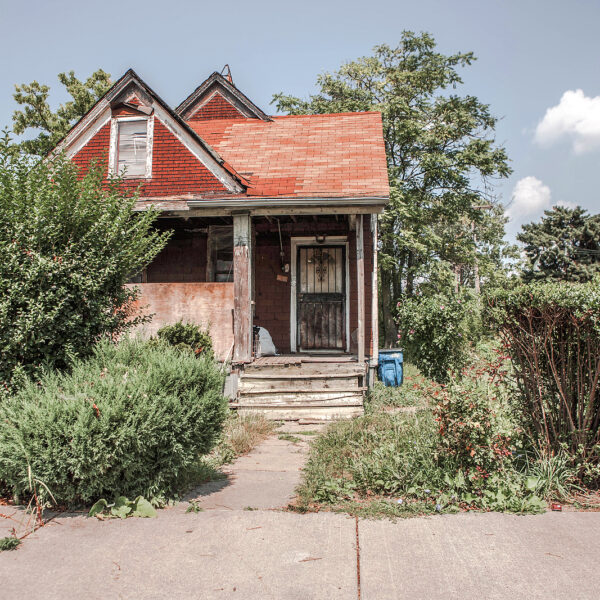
pixel 563 246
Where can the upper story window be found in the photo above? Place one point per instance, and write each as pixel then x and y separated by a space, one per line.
pixel 132 147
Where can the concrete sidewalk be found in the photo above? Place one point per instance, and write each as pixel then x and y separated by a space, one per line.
pixel 228 552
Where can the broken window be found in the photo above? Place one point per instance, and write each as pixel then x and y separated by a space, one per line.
pixel 220 257
pixel 132 148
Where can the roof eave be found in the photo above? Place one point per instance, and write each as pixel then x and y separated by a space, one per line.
pixel 282 202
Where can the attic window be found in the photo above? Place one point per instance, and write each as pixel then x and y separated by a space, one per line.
pixel 132 145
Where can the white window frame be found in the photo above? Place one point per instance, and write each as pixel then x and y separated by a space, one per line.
pixel 113 160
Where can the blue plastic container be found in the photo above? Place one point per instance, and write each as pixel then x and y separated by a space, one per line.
pixel 390 367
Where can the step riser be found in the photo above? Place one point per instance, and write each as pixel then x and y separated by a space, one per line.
pixel 316 384
pixel 308 369
pixel 304 398
pixel 324 414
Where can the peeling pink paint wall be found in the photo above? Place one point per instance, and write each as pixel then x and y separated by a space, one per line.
pixel 209 305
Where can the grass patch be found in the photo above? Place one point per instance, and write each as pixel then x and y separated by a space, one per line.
pixel 412 394
pixel 243 433
pixel 9 543
pixel 240 435
pixel 194 507
pixel 288 437
pixel 460 450
pixel 377 454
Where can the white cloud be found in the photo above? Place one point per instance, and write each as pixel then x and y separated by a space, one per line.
pixel 530 196
pixel 575 117
pixel 566 204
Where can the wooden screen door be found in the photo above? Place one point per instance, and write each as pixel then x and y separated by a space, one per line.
pixel 321 297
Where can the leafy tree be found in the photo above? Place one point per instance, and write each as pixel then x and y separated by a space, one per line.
pixel 67 246
pixel 442 159
pixel 564 245
pixel 53 126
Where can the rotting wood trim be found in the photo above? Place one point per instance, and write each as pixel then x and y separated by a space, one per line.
pixel 242 282
pixel 360 284
pixel 374 295
pixel 218 81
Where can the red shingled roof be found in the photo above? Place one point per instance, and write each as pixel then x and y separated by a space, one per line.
pixel 334 155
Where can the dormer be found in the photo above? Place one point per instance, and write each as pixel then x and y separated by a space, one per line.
pixel 131 139
pixel 218 98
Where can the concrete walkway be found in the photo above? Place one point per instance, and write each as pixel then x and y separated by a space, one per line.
pixel 229 551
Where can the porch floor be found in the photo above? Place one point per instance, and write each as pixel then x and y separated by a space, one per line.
pixel 298 359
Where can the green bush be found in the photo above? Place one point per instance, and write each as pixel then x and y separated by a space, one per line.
pixel 67 246
pixel 436 331
pixel 131 420
pixel 477 429
pixel 551 331
pixel 186 335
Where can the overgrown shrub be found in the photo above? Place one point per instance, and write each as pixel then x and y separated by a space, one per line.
pixel 552 333
pixel 435 332
pixel 130 420
pixel 67 246
pixel 186 335
pixel 466 452
pixel 476 426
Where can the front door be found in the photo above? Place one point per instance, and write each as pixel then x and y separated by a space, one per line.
pixel 321 298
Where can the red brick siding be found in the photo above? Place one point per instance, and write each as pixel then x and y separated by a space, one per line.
pixel 175 170
pixel 217 108
pixel 96 149
pixel 272 297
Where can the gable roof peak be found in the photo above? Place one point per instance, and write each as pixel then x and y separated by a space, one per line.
pixel 225 86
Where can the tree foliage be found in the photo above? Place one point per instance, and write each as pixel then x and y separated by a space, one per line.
pixel 67 246
pixel 52 126
pixel 435 331
pixel 563 246
pixel 442 160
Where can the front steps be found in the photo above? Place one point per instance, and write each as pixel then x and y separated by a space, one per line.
pixel 311 388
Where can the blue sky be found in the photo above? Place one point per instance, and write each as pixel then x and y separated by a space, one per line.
pixel 532 56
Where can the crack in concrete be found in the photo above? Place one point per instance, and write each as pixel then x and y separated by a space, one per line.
pixel 357 561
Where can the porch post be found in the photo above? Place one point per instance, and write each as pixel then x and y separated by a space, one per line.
pixel 374 297
pixel 242 287
pixel 360 284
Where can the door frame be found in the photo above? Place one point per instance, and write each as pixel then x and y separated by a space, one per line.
pixel 330 240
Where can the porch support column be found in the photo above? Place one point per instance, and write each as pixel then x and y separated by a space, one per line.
pixel 242 287
pixel 360 284
pixel 374 296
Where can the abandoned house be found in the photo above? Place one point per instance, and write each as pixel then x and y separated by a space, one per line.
pixel 274 222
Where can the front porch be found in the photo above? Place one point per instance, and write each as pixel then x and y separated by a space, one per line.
pixel 309 280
